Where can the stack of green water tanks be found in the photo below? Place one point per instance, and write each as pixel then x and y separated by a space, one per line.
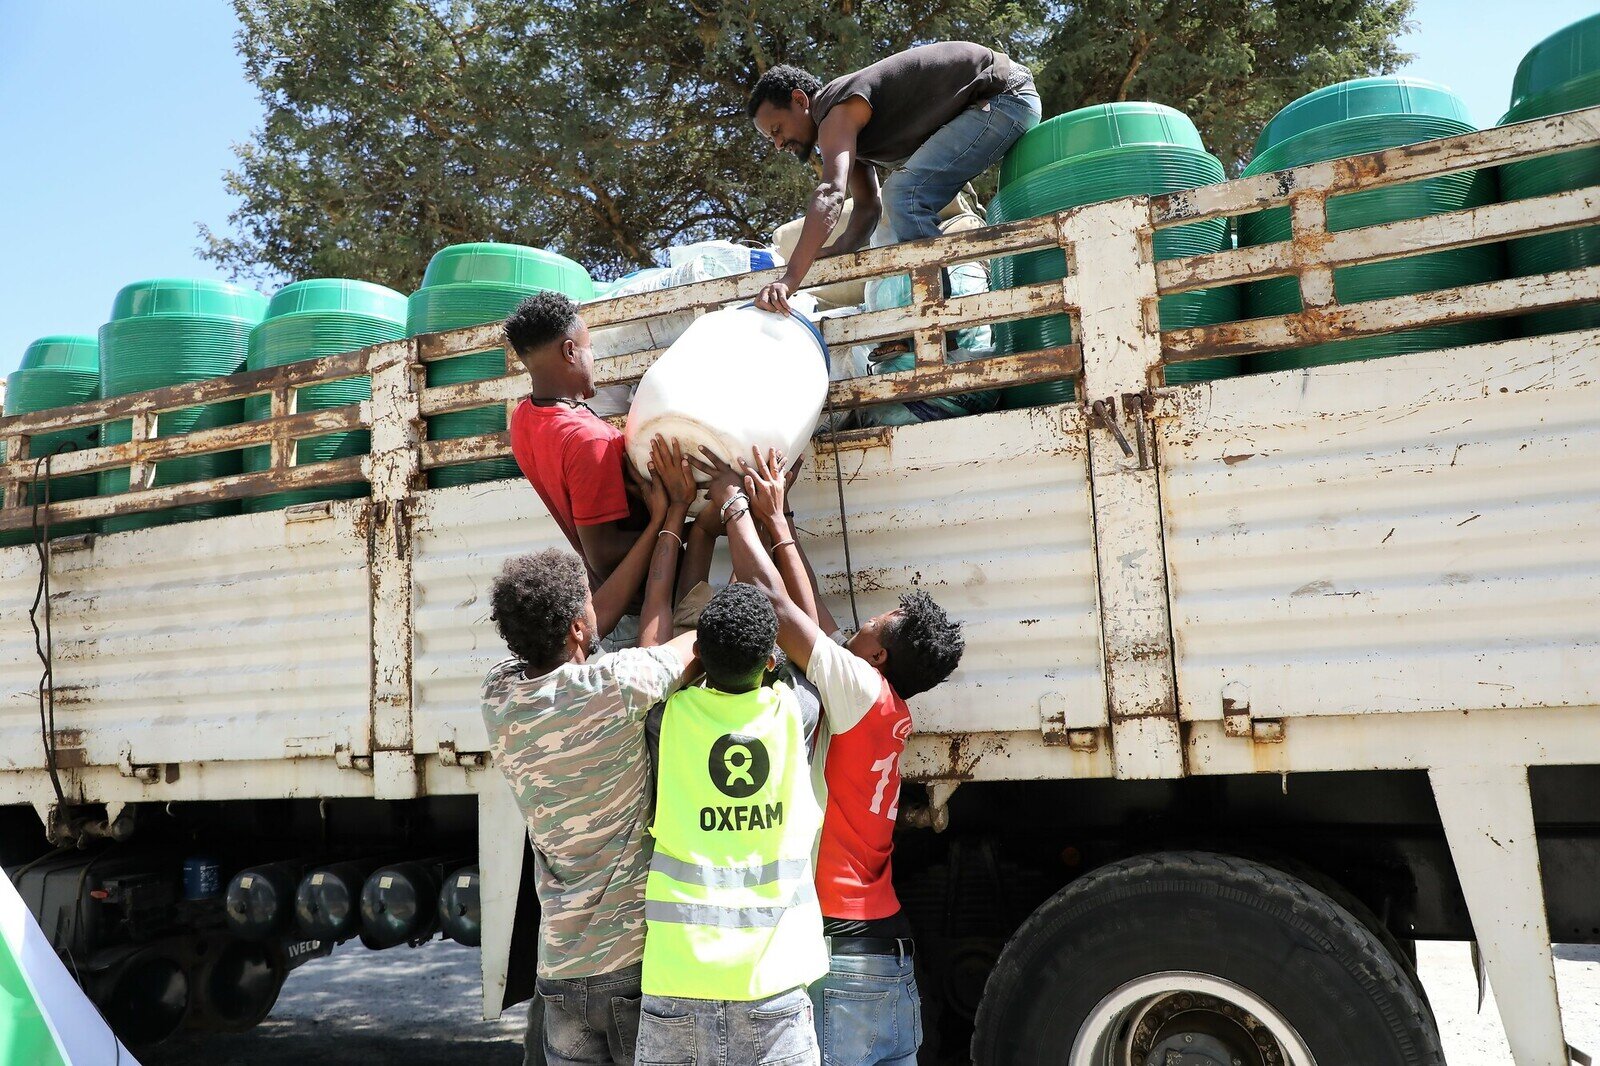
pixel 1369 115
pixel 308 320
pixel 55 372
pixel 1561 73
pixel 173 331
pixel 468 285
pixel 1103 153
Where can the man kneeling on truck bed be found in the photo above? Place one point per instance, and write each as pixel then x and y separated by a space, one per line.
pixel 937 116
pixel 568 732
pixel 574 459
pixel 856 765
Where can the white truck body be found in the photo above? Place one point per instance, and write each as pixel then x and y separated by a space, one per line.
pixel 1392 564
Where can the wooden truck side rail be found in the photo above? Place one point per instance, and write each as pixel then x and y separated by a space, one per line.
pixel 398 367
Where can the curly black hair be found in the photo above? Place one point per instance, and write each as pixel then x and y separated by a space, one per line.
pixel 736 634
pixel 777 87
pixel 538 320
pixel 533 602
pixel 924 645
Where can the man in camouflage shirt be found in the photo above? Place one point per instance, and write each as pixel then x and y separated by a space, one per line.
pixel 567 730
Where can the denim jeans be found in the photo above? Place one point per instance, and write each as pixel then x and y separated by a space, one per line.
pixel 777 1031
pixel 957 152
pixel 588 1020
pixel 868 1011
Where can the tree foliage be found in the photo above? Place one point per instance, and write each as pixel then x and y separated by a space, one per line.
pixel 608 129
pixel 1228 64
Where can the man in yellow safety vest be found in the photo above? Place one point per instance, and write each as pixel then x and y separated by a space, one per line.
pixel 734 931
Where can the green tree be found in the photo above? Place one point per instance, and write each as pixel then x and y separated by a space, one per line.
pixel 1228 64
pixel 609 129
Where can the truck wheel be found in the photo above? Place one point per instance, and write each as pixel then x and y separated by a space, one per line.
pixel 1195 959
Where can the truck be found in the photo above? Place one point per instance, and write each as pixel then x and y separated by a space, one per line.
pixel 1268 677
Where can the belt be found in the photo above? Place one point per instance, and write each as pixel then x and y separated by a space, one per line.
pixel 873 945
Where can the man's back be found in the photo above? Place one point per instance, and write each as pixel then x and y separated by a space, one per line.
pixel 735 825
pixel 571 743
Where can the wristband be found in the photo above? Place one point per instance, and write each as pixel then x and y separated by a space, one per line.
pixel 740 513
pixel 674 536
pixel 730 501
pixel 783 543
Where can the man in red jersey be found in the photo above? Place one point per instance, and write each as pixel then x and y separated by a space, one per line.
pixel 574 459
pixel 864 685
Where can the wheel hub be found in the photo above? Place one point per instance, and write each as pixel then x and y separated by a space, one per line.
pixel 1186 1019
pixel 1194 1029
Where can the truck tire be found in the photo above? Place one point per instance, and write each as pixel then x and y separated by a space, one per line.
pixel 1203 960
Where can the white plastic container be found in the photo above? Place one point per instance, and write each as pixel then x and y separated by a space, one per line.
pixel 737 378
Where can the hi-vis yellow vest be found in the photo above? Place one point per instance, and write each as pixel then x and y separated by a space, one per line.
pixel 731 907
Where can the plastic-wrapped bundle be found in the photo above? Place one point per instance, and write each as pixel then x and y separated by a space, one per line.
pixel 967 279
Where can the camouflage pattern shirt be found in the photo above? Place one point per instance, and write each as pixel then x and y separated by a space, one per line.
pixel 572 745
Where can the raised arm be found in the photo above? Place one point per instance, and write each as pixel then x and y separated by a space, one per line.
pixel 611 599
pixel 836 140
pixel 765 483
pixel 797 633
pixel 670 475
pixel 697 554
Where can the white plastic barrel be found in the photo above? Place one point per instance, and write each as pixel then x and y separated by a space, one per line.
pixel 736 379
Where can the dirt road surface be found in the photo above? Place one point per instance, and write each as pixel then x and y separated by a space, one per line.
pixel 420 1008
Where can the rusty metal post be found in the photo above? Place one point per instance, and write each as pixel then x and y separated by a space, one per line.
pixel 142 474
pixel 1120 353
pixel 1308 220
pixel 394 469
pixel 927 297
pixel 285 449
pixel 15 448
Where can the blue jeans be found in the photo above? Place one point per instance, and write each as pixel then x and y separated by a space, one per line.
pixel 777 1031
pixel 588 1021
pixel 868 1011
pixel 958 151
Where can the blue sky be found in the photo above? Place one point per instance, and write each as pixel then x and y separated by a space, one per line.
pixel 118 120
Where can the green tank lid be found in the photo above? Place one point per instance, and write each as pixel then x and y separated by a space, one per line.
pixel 508 264
pixel 1567 54
pixel 339 295
pixel 1097 129
pixel 1359 99
pixel 188 296
pixel 62 352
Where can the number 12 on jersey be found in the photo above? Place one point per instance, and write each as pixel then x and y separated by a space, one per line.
pixel 886 769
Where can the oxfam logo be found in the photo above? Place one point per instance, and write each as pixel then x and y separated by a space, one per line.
pixel 738 765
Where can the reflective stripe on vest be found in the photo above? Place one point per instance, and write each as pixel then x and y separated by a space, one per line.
pixel 731 900
pixel 729 876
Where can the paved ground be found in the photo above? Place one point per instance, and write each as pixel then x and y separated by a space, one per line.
pixel 419 1008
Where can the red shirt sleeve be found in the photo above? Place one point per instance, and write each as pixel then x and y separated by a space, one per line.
pixel 592 469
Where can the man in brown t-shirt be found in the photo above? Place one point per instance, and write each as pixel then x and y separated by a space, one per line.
pixel 935 116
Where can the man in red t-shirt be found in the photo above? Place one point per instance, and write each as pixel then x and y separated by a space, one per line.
pixel 864 685
pixel 573 458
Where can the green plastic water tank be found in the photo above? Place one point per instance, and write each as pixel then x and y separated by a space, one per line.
pixel 1560 73
pixel 56 371
pixel 308 320
pixel 171 331
pixel 1102 153
pixel 1368 115
pixel 468 285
